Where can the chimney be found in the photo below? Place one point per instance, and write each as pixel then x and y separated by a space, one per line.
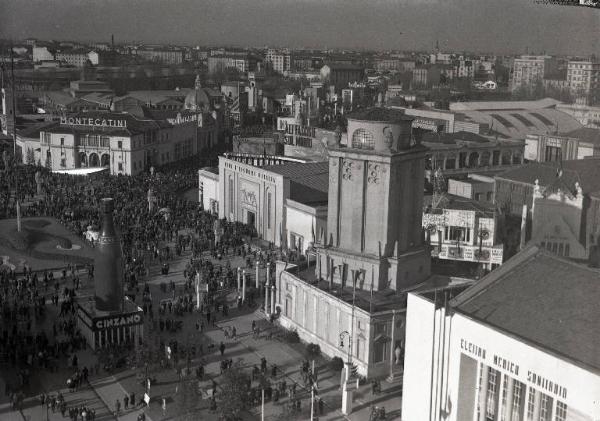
pixel 108 262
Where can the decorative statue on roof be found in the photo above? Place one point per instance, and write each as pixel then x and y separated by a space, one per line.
pixel 152 171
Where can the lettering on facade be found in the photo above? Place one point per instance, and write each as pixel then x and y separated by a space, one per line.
pixel 93 122
pixel 119 321
pixel 506 365
pixel 547 385
pixel 297 129
pixel 421 123
pixel 182 119
pixel 472 349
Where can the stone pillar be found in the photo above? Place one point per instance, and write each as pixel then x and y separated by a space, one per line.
pixel 483 387
pixel 257 269
pixel 347 396
pixel 510 387
pixel 536 404
pixel 267 298
pixel 268 273
pixel 239 279
pixel 273 298
pixel 243 285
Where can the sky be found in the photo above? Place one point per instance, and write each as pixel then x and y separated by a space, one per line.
pixel 498 26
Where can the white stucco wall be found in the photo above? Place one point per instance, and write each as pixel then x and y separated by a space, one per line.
pixel 464 337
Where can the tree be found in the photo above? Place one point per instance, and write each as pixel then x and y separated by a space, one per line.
pixel 235 386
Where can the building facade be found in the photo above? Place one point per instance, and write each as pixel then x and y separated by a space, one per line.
pixel 529 70
pixel 578 144
pixel 525 356
pixel 583 79
pixel 126 144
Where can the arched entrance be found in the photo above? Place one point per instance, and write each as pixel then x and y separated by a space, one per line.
pixel 94 160
pixel 105 160
pixel 83 160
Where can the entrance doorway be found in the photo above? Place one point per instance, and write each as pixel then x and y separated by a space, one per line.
pixel 251 218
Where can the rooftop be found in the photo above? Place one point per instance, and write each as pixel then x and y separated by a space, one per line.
pixel 309 182
pixel 549 302
pixel 366 300
pixel 379 114
pixel 584 171
pixel 586 134
pixel 452 202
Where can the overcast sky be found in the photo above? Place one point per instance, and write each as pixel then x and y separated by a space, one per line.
pixel 503 26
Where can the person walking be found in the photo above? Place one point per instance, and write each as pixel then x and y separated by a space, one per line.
pixel 117 407
pixel 126 402
pixel 222 348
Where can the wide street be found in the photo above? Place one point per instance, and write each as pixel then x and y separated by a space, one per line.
pixel 184 395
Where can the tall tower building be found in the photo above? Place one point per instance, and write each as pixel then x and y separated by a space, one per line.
pixel 375 205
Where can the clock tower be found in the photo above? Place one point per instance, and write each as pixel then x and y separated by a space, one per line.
pixel 375 205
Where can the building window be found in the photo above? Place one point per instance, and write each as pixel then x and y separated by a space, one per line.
pixel 363 139
pixel 63 162
pixel 567 250
pixel 561 411
pixel 531 404
pixel 380 351
pixel 545 407
pixel 492 388
pixel 120 144
pixel 62 141
pixel 120 166
pixel 517 401
pixel 230 195
pixel 269 210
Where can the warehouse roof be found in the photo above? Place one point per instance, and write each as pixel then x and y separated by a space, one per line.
pixel 547 301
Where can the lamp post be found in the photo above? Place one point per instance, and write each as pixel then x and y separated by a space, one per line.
pixel 347 389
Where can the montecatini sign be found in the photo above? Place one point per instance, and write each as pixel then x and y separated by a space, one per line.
pixel 118 321
pixel 93 122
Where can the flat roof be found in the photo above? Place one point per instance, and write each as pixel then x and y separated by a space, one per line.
pixel 546 300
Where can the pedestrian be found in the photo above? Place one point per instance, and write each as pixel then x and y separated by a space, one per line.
pixel 222 348
pixel 117 407
pixel 126 402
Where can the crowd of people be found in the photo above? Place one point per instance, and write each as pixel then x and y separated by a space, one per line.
pixel 151 235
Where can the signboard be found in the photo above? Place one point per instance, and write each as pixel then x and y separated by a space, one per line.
pixel 554 141
pixel 297 129
pixel 437 220
pixel 459 218
pixel 122 320
pixel 471 253
pixel 426 124
pixel 182 119
pixel 93 122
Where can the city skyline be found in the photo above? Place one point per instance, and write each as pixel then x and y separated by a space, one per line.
pixel 518 26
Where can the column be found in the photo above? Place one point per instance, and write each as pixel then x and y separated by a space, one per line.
pixel 510 389
pixel 243 285
pixel 267 298
pixel 239 279
pixel 273 298
pixel 257 268
pixel 268 273
pixel 536 404
pixel 483 388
